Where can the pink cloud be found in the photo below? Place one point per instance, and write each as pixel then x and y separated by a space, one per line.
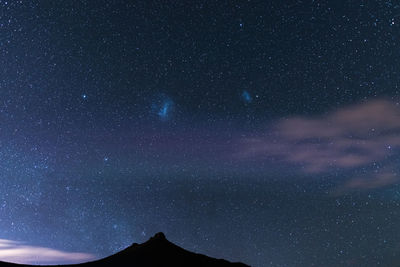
pixel 368 182
pixel 347 138
pixel 18 252
pixel 360 120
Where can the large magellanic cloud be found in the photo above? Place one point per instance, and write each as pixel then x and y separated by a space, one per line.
pixel 18 252
pixel 348 138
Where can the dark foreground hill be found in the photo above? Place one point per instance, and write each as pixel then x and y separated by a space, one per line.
pixel 156 252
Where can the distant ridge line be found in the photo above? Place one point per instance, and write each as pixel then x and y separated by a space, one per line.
pixel 155 252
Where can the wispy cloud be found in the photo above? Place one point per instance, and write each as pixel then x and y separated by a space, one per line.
pixel 347 138
pixel 369 181
pixel 18 252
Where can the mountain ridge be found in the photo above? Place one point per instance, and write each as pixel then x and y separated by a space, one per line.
pixel 156 252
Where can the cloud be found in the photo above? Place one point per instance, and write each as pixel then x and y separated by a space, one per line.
pixel 368 182
pixel 377 180
pixel 347 138
pixel 18 252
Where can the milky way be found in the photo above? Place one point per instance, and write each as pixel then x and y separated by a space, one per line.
pixel 261 132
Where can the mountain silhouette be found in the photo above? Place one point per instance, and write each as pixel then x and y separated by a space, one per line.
pixel 156 252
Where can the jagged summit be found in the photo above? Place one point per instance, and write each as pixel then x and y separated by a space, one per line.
pixel 158 237
pixel 154 241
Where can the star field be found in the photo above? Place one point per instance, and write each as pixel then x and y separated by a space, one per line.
pixel 255 131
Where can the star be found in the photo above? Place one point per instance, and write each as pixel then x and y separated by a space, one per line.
pixel 174 117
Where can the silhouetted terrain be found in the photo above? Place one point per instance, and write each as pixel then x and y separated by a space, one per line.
pixel 157 252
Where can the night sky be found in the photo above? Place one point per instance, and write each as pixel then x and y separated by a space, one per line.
pixel 266 132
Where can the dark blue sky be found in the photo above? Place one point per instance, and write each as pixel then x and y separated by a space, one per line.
pixel 266 132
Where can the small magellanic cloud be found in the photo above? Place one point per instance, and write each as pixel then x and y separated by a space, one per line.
pixel 246 97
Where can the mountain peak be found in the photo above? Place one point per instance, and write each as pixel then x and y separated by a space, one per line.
pixel 158 251
pixel 159 236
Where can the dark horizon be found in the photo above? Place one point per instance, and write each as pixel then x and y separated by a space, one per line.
pixel 157 251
